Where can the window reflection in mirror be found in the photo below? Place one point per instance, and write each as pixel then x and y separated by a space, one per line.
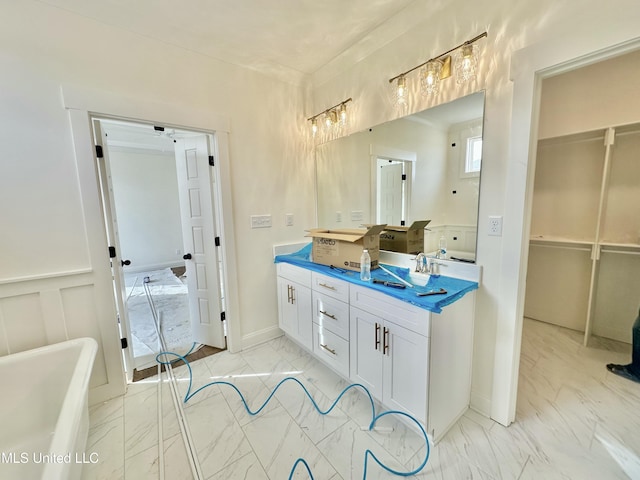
pixel 425 166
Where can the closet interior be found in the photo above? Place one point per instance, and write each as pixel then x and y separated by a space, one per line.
pixel 584 251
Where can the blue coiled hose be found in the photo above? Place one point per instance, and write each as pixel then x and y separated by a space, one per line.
pixel 302 461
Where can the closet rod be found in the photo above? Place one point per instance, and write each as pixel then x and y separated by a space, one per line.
pixel 622 252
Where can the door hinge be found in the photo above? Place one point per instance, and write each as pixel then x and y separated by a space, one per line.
pixel 217 241
pixel 211 160
pixel 99 152
pixel 404 176
pixel 223 316
pixel 112 252
pixel 124 343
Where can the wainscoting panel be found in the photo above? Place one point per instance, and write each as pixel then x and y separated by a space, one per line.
pixel 51 309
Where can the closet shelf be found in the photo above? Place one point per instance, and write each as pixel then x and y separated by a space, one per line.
pixel 559 240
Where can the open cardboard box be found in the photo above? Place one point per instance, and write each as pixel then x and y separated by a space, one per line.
pixel 343 247
pixel 404 239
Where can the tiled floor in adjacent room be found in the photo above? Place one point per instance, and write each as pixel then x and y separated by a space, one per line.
pixel 574 420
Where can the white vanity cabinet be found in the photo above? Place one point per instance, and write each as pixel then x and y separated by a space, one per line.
pixel 294 303
pixel 409 358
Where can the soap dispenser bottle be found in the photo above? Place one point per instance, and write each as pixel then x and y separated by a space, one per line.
pixel 442 247
pixel 365 266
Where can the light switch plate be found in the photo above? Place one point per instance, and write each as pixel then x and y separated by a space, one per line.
pixel 288 219
pixel 260 221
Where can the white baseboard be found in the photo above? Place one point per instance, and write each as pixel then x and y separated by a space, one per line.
pixel 480 403
pixel 261 336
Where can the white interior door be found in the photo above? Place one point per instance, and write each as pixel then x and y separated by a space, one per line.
pixel 195 184
pixel 390 194
pixel 111 224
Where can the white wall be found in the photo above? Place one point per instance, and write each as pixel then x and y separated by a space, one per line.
pixel 145 191
pixel 569 26
pixel 43 231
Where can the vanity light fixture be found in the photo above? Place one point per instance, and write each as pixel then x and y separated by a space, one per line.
pixel 335 116
pixel 430 77
pixel 466 62
pixel 400 95
pixel 438 68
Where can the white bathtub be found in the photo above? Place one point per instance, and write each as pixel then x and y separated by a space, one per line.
pixel 44 416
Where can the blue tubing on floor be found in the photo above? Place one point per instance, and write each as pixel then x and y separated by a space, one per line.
pixel 302 461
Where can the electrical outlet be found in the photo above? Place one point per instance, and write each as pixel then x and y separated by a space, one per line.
pixel 495 226
pixel 288 219
pixel 260 221
pixel 357 215
pixel 338 216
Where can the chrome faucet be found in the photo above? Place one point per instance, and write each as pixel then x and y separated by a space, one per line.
pixel 421 262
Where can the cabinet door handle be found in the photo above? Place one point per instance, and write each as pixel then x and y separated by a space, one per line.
pixel 330 287
pixel 377 335
pixel 332 352
pixel 385 346
pixel 328 315
pixel 288 293
pixel 293 298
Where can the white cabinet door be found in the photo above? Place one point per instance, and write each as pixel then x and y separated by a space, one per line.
pixel 405 370
pixel 391 361
pixel 365 350
pixel 287 312
pixel 294 303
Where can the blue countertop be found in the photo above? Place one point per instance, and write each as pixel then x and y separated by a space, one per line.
pixel 455 287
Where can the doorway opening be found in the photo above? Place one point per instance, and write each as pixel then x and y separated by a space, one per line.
pixel 393 184
pixel 159 193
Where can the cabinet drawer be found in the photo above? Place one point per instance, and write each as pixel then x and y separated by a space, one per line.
pixel 331 349
pixel 295 274
pixel 333 287
pixel 331 314
pixel 391 309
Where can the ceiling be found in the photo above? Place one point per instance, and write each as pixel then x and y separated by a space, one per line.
pixel 289 39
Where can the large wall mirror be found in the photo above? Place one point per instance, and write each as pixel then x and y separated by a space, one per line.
pixel 424 166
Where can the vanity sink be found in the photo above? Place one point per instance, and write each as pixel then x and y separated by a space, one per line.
pixel 418 279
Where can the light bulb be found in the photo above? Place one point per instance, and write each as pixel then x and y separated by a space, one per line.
pixel 430 77
pixel 314 126
pixel 466 63
pixel 343 114
pixel 327 120
pixel 401 90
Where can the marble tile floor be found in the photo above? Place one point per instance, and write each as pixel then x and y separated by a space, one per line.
pixel 574 420
pixel 170 297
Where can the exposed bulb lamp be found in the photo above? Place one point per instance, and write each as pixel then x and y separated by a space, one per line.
pixel 331 117
pixel 466 61
pixel 401 91
pixel 430 77
pixel 439 68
